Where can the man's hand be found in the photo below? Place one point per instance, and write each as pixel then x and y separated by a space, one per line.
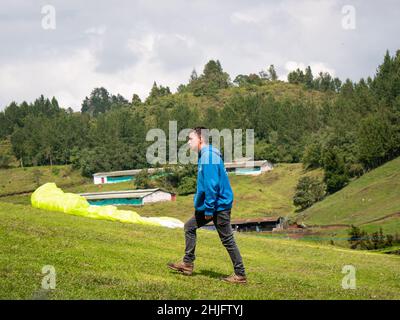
pixel 208 217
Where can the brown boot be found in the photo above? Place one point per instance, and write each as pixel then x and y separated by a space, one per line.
pixel 234 278
pixel 185 268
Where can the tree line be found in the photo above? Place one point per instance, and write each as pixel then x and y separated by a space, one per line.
pixel 352 128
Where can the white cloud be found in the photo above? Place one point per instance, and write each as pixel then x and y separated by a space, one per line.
pixel 126 47
pixel 239 17
pixel 96 30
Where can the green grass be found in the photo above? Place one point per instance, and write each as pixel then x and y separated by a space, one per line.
pixel 374 195
pixel 97 259
pixel 17 180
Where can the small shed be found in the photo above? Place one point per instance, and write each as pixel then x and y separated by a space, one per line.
pixel 258 224
pixel 247 167
pixel 136 197
pixel 119 176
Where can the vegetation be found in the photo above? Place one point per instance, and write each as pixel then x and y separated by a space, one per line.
pixel 308 191
pixel 25 180
pixel 347 128
pixel 375 195
pixel 362 240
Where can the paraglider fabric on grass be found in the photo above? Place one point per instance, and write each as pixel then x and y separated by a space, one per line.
pixel 50 197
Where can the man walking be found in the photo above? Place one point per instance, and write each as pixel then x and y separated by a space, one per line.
pixel 212 202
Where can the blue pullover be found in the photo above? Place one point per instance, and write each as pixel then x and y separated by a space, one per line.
pixel 214 192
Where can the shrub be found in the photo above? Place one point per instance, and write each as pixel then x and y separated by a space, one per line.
pixel 308 191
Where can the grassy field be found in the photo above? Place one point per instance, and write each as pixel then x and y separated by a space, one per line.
pixel 111 260
pixel 18 180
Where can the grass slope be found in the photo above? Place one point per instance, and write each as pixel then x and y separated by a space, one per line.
pixel 110 260
pixel 373 196
pixel 17 180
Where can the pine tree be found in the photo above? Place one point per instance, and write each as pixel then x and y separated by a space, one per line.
pixel 308 78
pixel 272 73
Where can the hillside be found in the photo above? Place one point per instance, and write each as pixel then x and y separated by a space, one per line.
pixel 374 196
pixel 97 259
pixel 23 180
pixel 269 194
pixel 280 90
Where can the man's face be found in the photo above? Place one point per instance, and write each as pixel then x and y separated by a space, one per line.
pixel 194 141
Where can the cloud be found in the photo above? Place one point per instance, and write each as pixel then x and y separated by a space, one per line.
pixel 125 46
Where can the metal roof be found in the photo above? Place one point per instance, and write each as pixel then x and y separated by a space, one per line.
pixel 236 164
pixel 125 172
pixel 138 193
pixel 247 164
pixel 256 220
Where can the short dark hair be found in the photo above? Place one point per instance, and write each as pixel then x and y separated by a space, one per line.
pixel 201 132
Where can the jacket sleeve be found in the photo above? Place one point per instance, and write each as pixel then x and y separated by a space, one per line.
pixel 211 182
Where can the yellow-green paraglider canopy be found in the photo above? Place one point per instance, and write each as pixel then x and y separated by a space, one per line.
pixel 50 197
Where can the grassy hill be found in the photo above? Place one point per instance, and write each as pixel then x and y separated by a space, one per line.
pixel 24 180
pixel 280 90
pixel 373 196
pixel 110 260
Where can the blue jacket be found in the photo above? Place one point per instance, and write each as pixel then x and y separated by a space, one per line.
pixel 214 192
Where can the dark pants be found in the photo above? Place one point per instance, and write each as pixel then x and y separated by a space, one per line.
pixel 222 222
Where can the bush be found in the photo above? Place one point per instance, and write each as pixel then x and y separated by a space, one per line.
pixel 142 180
pixel 37 174
pixel 5 161
pixel 335 181
pixel 377 240
pixel 187 185
pixel 308 191
pixel 55 171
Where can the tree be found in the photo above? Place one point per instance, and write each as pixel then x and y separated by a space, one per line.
pixel 336 176
pixel 136 101
pixel 377 140
pixel 251 79
pixel 212 80
pixel 272 73
pixel 308 78
pixel 386 84
pixel 308 191
pixel 98 102
pixel 296 76
pixel 193 76
pixel 142 180
pixel 324 82
pixel 157 92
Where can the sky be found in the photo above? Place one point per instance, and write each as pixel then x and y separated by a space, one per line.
pixel 67 48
